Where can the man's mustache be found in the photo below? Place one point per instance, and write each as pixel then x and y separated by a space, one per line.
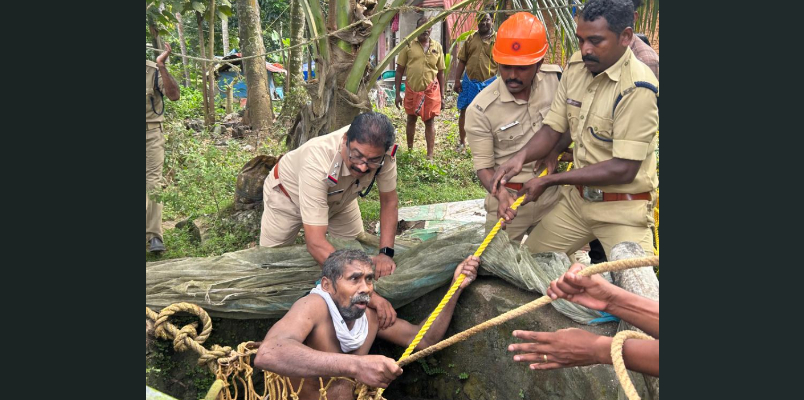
pixel 513 80
pixel 590 59
pixel 361 298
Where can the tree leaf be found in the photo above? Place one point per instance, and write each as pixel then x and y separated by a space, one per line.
pixel 227 10
pixel 222 16
pixel 199 6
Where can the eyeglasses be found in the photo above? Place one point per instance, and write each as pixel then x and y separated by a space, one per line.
pixel 360 161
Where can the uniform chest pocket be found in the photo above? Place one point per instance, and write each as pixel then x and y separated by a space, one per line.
pixel 335 196
pixel 600 130
pixel 573 114
pixel 508 137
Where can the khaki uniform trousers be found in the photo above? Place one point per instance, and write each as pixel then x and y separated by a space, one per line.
pixel 527 216
pixel 154 159
pixel 281 219
pixel 575 221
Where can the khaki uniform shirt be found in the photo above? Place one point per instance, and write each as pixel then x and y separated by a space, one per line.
pixel 476 54
pixel 498 125
pixel 421 69
pixel 154 106
pixel 585 105
pixel 320 184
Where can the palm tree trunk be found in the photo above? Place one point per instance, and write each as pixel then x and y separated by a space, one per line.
pixel 229 90
pixel 183 47
pixel 225 35
pixel 211 52
pixel 296 36
pixel 260 112
pixel 199 18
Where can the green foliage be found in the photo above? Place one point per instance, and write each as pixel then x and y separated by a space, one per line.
pixel 188 106
pixel 463 375
pixel 201 175
pixel 521 393
pixel 431 371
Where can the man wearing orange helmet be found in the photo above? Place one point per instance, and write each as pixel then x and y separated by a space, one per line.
pixel 607 103
pixel 507 113
pixel 423 60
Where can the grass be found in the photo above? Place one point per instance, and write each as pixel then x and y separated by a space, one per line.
pixel 201 170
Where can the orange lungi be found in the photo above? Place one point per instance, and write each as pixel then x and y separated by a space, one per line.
pixel 426 104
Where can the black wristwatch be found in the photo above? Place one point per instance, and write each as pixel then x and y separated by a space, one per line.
pixel 388 251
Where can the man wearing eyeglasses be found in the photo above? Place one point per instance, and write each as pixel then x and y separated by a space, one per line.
pixel 317 185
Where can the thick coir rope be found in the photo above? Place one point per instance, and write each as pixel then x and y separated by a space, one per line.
pixel 232 367
pixel 238 362
pixel 619 365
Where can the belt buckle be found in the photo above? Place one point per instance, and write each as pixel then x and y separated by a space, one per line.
pixel 592 194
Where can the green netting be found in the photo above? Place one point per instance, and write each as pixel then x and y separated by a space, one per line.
pixel 264 282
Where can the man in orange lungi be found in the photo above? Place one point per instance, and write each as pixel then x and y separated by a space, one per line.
pixel 423 59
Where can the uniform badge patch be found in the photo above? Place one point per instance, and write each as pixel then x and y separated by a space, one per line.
pixel 572 102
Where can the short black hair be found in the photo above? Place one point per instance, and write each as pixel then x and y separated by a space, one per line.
pixel 372 128
pixel 637 4
pixel 422 20
pixel 333 265
pixel 482 15
pixel 618 13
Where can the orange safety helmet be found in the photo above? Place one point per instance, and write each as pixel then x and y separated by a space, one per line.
pixel 521 40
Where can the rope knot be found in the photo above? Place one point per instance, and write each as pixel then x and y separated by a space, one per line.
pixel 213 354
pixel 187 332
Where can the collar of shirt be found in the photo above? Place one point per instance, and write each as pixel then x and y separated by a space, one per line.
pixel 612 72
pixel 489 39
pixel 344 171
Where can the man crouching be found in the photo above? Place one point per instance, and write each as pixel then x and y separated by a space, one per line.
pixel 329 333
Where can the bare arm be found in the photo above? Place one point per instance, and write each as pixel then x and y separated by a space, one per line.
pixel 598 294
pixel 610 172
pixel 403 332
pixel 170 85
pixel 389 217
pixel 576 347
pixel 317 244
pixel 504 198
pixel 283 350
pixel 440 77
pixel 458 87
pixel 537 148
pixel 400 70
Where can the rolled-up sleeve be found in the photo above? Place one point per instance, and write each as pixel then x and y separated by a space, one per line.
pixel 313 188
pixel 480 138
pixel 386 179
pixel 635 123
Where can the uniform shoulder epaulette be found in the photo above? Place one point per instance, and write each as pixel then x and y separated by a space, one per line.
pixel 392 150
pixel 635 76
pixel 551 68
pixel 576 58
pixel 487 95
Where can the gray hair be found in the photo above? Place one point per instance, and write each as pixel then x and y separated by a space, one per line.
pixel 333 265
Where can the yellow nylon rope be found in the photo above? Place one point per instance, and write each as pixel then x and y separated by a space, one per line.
pixel 455 285
pixel 452 290
pixel 656 224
